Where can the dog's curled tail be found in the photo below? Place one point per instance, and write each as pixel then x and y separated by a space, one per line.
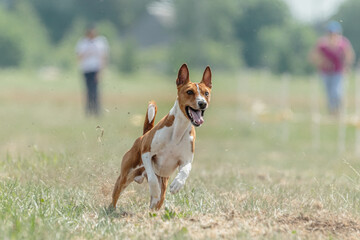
pixel 150 117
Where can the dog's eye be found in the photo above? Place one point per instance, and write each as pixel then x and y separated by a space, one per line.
pixel 206 93
pixel 190 92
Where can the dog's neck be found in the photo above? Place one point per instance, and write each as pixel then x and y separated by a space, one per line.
pixel 182 124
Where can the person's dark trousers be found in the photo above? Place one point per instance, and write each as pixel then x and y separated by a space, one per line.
pixel 92 101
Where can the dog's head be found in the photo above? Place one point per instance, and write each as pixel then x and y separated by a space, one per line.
pixel 193 98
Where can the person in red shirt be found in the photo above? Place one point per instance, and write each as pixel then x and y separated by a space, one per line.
pixel 333 55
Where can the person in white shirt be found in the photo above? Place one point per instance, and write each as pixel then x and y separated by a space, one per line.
pixel 92 52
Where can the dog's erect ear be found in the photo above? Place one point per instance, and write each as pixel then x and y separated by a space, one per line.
pixel 183 75
pixel 207 77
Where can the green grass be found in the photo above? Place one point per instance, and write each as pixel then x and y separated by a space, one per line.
pixel 247 181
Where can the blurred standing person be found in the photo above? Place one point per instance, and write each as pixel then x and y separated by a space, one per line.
pixel 92 52
pixel 333 55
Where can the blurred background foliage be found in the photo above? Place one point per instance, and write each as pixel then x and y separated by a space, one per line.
pixel 349 17
pixel 226 34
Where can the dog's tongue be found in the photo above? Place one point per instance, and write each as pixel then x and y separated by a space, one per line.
pixel 197 117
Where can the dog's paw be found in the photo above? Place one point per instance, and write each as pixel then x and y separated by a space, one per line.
pixel 155 190
pixel 154 202
pixel 139 179
pixel 176 185
pixel 110 209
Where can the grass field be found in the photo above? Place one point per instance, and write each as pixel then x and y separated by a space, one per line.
pixel 247 182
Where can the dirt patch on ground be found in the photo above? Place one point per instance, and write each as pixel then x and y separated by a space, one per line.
pixel 324 223
pixel 234 225
pixel 315 226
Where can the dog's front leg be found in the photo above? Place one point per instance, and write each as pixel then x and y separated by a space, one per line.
pixel 180 179
pixel 154 187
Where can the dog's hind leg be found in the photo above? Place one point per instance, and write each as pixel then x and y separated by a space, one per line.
pixel 163 181
pixel 123 181
pixel 120 185
pixel 129 171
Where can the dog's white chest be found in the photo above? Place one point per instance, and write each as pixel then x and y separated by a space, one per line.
pixel 168 150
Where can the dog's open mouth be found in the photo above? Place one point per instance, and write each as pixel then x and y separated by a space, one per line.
pixel 195 116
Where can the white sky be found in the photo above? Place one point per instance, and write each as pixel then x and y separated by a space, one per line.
pixel 310 10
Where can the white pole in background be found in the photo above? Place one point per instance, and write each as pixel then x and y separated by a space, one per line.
pixel 342 119
pixel 315 114
pixel 285 106
pixel 357 112
pixel 242 93
pixel 314 100
pixel 240 84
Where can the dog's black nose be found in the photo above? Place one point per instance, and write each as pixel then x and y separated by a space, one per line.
pixel 202 104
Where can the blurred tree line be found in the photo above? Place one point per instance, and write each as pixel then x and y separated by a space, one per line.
pixel 348 15
pixel 226 34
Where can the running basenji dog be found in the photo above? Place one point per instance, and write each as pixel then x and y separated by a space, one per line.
pixel 170 144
